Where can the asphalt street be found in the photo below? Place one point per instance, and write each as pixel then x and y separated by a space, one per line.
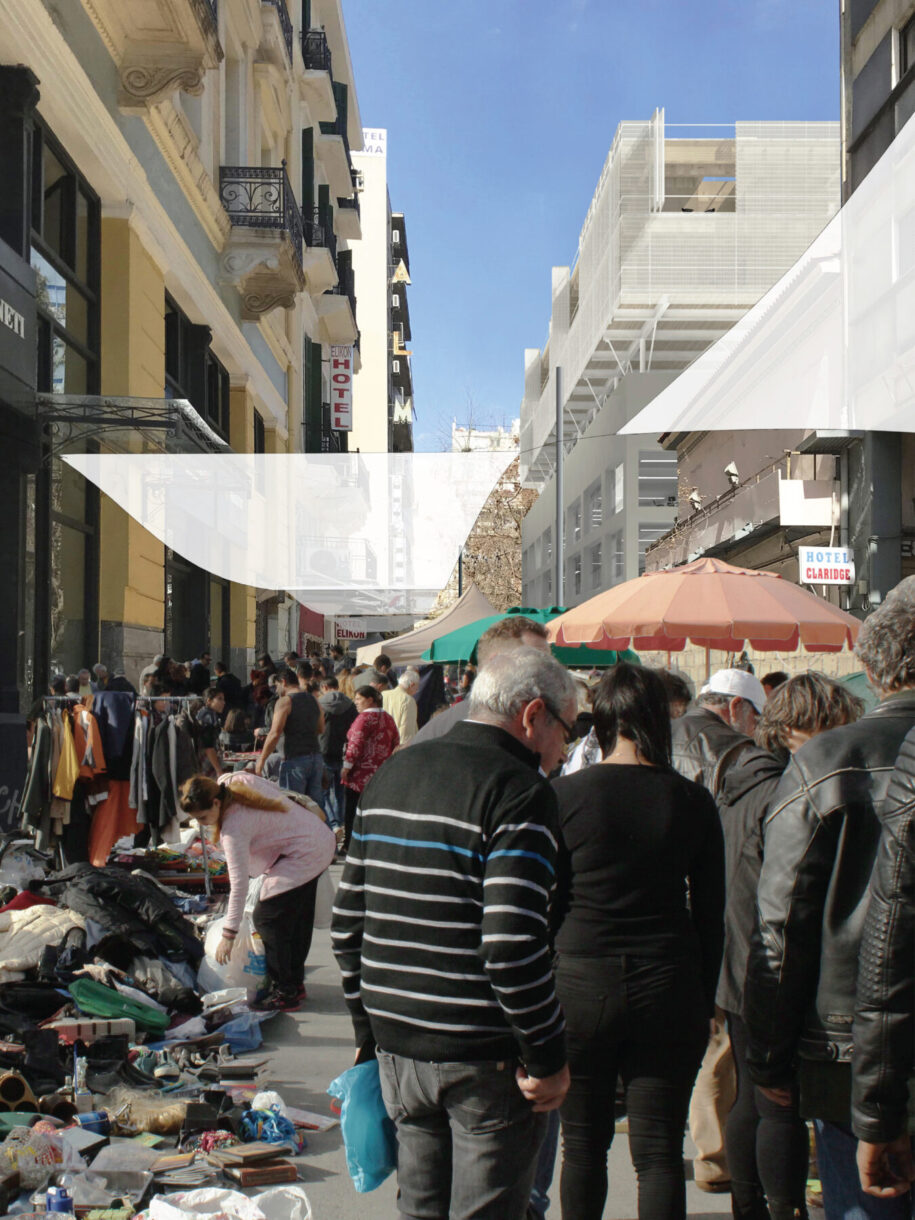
pixel 308 1049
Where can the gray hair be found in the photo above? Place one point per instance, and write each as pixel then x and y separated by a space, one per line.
pixel 510 680
pixel 713 698
pixel 409 679
pixel 886 641
pixel 99 668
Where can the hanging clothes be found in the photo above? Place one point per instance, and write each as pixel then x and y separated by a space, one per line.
pixel 139 784
pixel 68 767
pixel 36 793
pixel 112 820
pixel 87 740
pixel 114 711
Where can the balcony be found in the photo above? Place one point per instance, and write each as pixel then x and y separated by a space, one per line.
pixel 158 49
pixel 337 310
pixel 349 218
pixel 316 83
pixel 320 255
pixel 263 256
pixel 332 148
pixel 278 22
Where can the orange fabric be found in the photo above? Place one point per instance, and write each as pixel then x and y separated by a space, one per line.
pixel 88 742
pixel 712 604
pixel 113 818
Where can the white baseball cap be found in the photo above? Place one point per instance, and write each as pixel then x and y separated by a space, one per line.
pixel 737 683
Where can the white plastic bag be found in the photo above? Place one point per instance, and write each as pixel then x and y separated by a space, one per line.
pixel 324 900
pixel 280 1203
pixel 247 967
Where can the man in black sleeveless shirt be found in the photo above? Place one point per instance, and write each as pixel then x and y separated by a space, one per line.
pixel 298 719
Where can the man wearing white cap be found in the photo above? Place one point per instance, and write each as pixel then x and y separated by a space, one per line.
pixel 707 741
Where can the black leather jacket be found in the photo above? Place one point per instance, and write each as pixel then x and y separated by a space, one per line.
pixel 704 747
pixel 884 1029
pixel 820 840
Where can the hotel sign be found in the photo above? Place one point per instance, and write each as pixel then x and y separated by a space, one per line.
pixel 341 389
pixel 826 565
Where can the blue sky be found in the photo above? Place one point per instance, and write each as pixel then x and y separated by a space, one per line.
pixel 500 114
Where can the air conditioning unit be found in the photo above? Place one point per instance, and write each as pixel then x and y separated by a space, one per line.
pixel 395 300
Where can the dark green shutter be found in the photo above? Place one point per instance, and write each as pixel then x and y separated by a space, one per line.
pixel 313 393
pixel 308 173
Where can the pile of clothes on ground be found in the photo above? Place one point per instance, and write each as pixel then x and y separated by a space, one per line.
pixel 126 1067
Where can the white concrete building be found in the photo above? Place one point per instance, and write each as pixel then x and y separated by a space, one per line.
pixel 683 235
pixel 383 386
pixel 485 440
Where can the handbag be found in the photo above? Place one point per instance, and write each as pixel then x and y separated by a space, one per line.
pixel 369 1135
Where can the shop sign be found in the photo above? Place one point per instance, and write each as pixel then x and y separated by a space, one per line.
pixel 18 346
pixel 350 628
pixel 826 565
pixel 341 388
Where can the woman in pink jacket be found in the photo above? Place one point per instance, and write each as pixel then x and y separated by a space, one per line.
pixel 265 833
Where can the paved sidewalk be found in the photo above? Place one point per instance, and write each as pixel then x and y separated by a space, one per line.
pixel 311 1047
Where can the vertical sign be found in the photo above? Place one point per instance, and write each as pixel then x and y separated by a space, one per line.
pixel 341 388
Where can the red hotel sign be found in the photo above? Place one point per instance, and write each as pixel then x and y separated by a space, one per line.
pixel 341 389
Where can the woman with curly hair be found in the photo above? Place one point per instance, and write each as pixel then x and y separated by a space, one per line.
pixel 266 833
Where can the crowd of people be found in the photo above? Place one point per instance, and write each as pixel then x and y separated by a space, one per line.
pixel 708 903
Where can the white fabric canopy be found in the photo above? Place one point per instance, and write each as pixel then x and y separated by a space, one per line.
pixel 370 533
pixel 832 345
pixel 408 649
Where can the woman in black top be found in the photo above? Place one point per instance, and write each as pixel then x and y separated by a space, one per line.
pixel 639 903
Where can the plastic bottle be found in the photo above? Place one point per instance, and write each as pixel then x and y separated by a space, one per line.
pixel 59 1200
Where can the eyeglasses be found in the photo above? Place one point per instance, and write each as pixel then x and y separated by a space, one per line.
pixel 570 733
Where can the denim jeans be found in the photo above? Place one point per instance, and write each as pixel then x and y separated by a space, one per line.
pixel 546 1163
pixel 304 774
pixel 843 1198
pixel 467 1139
pixel 334 801
pixel 644 1019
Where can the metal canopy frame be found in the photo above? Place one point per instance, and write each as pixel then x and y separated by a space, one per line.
pixel 175 417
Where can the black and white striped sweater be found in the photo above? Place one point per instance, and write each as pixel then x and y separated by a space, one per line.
pixel 440 922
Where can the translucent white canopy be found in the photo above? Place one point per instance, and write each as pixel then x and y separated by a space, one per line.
pixel 832 345
pixel 368 533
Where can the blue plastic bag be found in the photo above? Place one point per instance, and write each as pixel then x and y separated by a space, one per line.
pixel 243 1032
pixel 270 1127
pixel 369 1136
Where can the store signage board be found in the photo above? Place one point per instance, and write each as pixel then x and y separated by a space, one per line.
pixel 826 565
pixel 350 628
pixel 341 388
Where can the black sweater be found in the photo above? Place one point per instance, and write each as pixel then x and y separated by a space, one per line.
pixel 440 921
pixel 641 868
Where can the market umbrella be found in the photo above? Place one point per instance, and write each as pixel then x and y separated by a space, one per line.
pixel 712 604
pixel 459 646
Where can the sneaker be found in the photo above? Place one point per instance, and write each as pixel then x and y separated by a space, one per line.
pixel 279 1001
pixel 301 994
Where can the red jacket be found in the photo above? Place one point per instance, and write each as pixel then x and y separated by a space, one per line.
pixel 372 738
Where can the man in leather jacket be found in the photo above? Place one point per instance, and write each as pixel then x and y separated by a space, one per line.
pixel 820 839
pixel 708 740
pixel 884 1029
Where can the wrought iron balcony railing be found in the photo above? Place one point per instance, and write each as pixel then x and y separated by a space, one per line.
pixel 315 51
pixel 319 235
pixel 260 197
pixel 286 23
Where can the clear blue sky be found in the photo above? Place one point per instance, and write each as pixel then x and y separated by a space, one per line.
pixel 500 114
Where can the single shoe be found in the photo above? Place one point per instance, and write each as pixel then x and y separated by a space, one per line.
pixel 301 994
pixel 279 1001
pixel 715 1188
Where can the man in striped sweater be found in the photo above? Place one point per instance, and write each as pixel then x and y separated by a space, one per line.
pixel 440 931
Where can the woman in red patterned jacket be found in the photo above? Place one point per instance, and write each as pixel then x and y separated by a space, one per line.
pixel 372 738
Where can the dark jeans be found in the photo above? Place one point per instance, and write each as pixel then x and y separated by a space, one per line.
pixel 333 805
pixel 350 801
pixel 543 1177
pixel 843 1198
pixel 644 1019
pixel 285 924
pixel 767 1144
pixel 467 1141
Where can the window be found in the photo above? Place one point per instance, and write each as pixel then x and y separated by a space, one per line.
pixel 192 371
pixel 576 574
pixel 65 258
pixel 546 547
pixel 657 480
pixel 619 557
pixel 907 47
pixel 596 565
pixel 618 488
pixel 547 587
pixel 649 533
pixel 574 526
pixel 260 435
pixel 595 514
